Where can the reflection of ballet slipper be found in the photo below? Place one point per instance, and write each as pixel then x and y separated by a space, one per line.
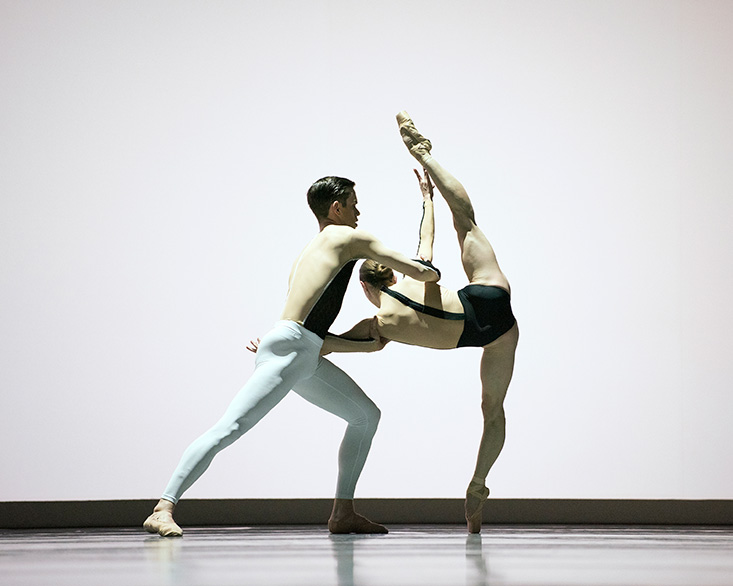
pixel 416 143
pixel 476 496
pixel 162 523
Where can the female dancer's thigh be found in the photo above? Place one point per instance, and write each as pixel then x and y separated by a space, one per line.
pixel 479 259
pixel 497 368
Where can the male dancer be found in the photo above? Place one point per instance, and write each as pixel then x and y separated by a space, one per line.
pixel 288 358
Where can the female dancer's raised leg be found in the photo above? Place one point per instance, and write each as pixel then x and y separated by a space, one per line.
pixel 477 255
pixel 481 267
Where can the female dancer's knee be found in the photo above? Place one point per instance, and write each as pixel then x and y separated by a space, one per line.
pixel 492 410
pixel 464 217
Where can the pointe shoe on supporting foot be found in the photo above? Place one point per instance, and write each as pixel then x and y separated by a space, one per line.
pixel 416 143
pixel 355 524
pixel 475 498
pixel 163 524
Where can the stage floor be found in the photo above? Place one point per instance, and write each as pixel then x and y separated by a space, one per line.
pixel 435 555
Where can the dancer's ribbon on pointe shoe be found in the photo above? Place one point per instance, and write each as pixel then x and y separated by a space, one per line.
pixel 474 518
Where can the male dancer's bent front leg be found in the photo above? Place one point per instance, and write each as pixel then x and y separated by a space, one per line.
pixel 331 389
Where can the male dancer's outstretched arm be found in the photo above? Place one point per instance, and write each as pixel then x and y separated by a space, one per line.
pixel 367 246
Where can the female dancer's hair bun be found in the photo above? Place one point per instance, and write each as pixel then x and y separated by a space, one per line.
pixel 375 274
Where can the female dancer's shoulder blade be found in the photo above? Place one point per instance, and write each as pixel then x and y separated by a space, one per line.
pixel 403 324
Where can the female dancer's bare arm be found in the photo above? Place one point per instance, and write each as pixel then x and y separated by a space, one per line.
pixel 427 224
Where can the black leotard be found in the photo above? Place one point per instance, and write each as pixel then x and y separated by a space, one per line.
pixel 324 312
pixel 487 313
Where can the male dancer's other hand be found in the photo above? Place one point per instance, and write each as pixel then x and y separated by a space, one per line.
pixel 374 335
pixel 253 347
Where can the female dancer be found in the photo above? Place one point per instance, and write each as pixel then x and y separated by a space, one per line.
pixel 427 314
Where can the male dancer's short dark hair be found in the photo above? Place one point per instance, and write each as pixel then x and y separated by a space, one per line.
pixel 327 190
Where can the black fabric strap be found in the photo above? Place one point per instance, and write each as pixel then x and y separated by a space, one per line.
pixel 419 307
pixel 428 264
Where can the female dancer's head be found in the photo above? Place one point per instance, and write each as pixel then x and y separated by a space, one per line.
pixel 373 277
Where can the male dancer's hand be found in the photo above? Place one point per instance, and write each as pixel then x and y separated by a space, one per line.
pixel 253 346
pixel 374 334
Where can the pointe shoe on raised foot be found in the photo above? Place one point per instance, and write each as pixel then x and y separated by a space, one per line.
pixel 162 524
pixel 474 507
pixel 355 524
pixel 416 143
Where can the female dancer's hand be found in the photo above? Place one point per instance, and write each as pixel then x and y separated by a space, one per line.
pixel 426 186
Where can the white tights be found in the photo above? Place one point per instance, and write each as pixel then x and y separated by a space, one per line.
pixel 288 358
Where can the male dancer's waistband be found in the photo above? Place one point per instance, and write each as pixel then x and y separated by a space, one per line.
pixel 304 332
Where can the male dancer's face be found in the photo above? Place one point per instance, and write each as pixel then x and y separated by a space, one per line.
pixel 349 213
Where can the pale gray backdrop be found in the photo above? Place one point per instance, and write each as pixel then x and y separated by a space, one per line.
pixel 154 159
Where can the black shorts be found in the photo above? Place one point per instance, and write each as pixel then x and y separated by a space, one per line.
pixel 488 312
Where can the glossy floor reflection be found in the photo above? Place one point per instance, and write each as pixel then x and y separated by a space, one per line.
pixel 409 555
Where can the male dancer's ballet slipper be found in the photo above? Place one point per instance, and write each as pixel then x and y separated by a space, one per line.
pixel 162 524
pixel 416 143
pixel 356 523
pixel 476 496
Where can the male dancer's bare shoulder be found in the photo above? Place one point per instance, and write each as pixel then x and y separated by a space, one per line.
pixel 314 269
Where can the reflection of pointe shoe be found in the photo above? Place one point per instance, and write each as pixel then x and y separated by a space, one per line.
pixel 416 143
pixel 475 498
pixel 163 525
